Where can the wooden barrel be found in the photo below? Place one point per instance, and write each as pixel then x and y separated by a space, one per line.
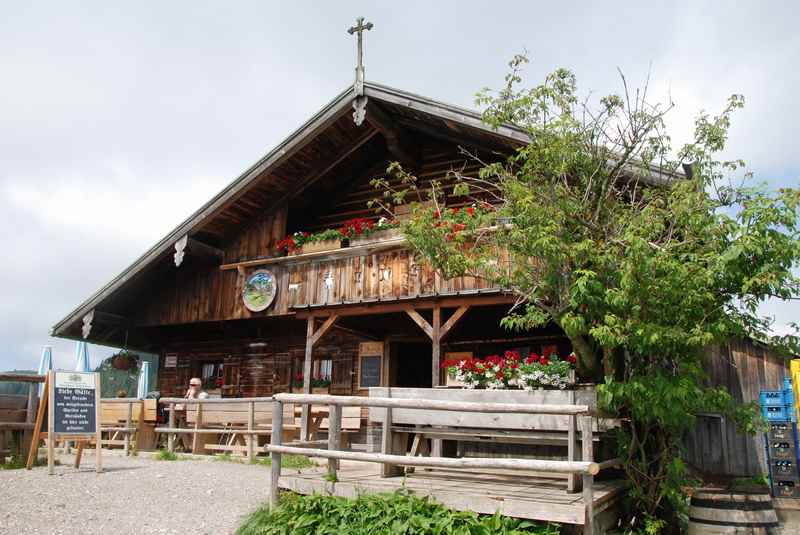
pixel 731 512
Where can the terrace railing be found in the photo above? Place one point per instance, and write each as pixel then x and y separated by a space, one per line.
pixel 586 468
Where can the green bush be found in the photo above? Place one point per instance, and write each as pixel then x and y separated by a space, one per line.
pixel 395 513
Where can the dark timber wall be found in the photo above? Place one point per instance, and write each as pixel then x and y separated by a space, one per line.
pixel 744 368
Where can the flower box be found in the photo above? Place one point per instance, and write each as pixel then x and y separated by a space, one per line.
pixel 375 237
pixel 318 246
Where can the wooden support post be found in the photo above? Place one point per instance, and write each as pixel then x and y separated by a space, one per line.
pixel 387 470
pixel 275 469
pixel 334 437
pixel 128 422
pixel 305 415
pixel 30 417
pixel 251 439
pixel 573 481
pixel 79 453
pixel 198 424
pixel 587 451
pixel 311 340
pixel 436 444
pixel 171 436
pixel 437 348
pixel 33 452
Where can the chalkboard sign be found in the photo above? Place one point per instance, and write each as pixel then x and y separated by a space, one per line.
pixel 74 403
pixel 370 371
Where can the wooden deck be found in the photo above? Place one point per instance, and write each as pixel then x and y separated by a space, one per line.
pixel 514 494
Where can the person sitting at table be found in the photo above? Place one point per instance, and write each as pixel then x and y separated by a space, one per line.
pixel 196 389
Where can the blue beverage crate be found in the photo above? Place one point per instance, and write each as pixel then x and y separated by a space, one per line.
pixel 774 413
pixel 770 398
pixel 787 384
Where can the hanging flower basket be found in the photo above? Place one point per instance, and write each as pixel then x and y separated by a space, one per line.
pixel 124 361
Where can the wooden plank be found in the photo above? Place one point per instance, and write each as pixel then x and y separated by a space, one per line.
pixel 453 320
pixel 324 328
pixel 583 467
pixel 334 437
pixel 275 469
pixel 587 455
pixel 433 404
pixel 419 320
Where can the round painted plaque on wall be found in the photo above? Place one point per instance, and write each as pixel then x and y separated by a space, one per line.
pixel 259 290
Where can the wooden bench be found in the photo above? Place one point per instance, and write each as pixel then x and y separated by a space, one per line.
pixel 429 427
pixel 14 421
pixel 350 422
pixel 227 425
pixel 127 421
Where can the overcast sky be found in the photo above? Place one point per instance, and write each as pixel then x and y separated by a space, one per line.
pixel 117 120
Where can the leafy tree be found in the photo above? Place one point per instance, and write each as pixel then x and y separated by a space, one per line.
pixel 641 253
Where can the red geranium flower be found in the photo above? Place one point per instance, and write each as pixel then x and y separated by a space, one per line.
pixel 470 211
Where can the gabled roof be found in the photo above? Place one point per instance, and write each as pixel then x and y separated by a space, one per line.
pixel 434 117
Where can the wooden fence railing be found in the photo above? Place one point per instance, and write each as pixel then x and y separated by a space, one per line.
pixel 245 417
pixel 586 468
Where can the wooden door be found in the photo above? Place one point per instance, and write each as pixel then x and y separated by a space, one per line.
pixel 282 373
pixel 342 373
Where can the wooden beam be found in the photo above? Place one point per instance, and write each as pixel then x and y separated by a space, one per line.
pixel 196 246
pixel 451 322
pixel 401 305
pixel 324 328
pixel 305 416
pixel 419 320
pixel 325 167
pixel 21 378
pixel 436 338
pixel 396 141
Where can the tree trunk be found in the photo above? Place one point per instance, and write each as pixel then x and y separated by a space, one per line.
pixel 588 365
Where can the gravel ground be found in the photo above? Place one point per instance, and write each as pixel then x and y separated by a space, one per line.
pixel 135 495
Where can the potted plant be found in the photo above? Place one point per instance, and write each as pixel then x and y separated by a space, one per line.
pixel 365 232
pixel 512 372
pixel 326 240
pixel 124 360
pixel 302 242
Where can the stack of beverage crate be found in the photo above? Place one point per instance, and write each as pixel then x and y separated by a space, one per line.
pixel 778 408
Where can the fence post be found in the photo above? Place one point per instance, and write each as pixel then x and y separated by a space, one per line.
pixel 573 481
pixel 128 423
pixel 171 434
pixel 251 423
pixel 587 450
pixel 334 437
pixel 198 424
pixel 277 439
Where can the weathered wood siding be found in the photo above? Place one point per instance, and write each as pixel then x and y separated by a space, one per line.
pixel 198 291
pixel 263 369
pixel 744 368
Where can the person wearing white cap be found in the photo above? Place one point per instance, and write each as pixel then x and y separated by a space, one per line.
pixel 196 389
pixel 195 392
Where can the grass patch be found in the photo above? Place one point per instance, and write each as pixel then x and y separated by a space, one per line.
pixel 225 458
pixel 15 462
pixel 166 455
pixel 293 462
pixel 394 513
pixel 331 478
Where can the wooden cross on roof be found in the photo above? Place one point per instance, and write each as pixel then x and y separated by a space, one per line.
pixel 359 28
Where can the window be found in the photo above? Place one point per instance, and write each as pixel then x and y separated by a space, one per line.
pixel 323 369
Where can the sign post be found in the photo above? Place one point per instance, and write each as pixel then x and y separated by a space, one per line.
pixel 72 409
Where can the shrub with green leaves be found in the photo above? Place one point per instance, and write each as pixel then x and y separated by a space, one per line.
pixel 377 514
pixel 644 254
